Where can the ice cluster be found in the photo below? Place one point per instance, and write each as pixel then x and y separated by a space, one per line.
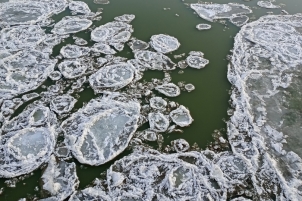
pixel 267 4
pixel 164 43
pixel 203 26
pixel 102 129
pixel 213 12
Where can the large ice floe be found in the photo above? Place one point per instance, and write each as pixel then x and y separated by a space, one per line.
pixel 102 129
pixel 164 43
pixel 71 24
pixel 212 12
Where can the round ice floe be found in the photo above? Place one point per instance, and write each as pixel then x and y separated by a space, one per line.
pixel 79 7
pixel 71 69
pixel 125 18
pixel 112 77
pixel 59 179
pixel 55 75
pixel 239 20
pixel 154 60
pixel 25 150
pixel 102 129
pixel 170 89
pixel 164 43
pixel 135 44
pixel 74 51
pixel 71 24
pixel 267 4
pixel 181 116
pixel 112 33
pixel 62 104
pixel 180 145
pixel 203 26
pixel 29 12
pixel 158 122
pixel 196 61
pixel 189 87
pixel 158 103
pixel 103 48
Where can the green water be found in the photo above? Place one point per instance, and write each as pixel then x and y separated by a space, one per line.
pixel 208 103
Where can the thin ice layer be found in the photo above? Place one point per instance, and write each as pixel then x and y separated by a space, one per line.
pixel 59 179
pixel 164 43
pixel 112 77
pixel 212 12
pixel 102 129
pixel 71 24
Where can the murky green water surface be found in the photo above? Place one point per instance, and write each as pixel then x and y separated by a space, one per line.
pixel 208 103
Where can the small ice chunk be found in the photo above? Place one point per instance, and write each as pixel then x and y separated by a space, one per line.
pixel 30 96
pixel 148 135
pixel 125 18
pixel 180 145
pixel 214 11
pixel 74 51
pixel 196 53
pixel 267 4
pixel 203 26
pixel 71 24
pixel 60 179
pixel 103 48
pixel 158 122
pixel 182 64
pixel 112 77
pixel 158 103
pixel 196 61
pixel 55 75
pixel 79 41
pixel 136 44
pixel 71 69
pixel 170 89
pixel 164 43
pixel 62 104
pixel 79 7
pixel 189 87
pixel 181 116
pixel 101 1
pixel 239 20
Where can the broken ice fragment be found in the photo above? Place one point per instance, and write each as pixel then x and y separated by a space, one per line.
pixel 158 122
pixel 196 61
pixel 181 116
pixel 79 7
pixel 102 129
pixel 74 51
pixel 112 77
pixel 62 104
pixel 164 43
pixel 30 96
pixel 158 103
pixel 170 89
pixel 211 12
pixel 71 24
pixel 60 179
pixel 103 48
pixel 267 4
pixel 138 44
pixel 239 20
pixel 180 145
pixel 203 26
pixel 125 18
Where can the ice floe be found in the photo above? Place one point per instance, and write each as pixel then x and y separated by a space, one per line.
pixel 239 20
pixel 79 7
pixel 158 122
pixel 59 179
pixel 164 43
pixel 136 44
pixel 267 4
pixel 212 12
pixel 74 68
pixel 169 89
pixel 55 75
pixel 180 145
pixel 158 103
pixel 112 77
pixel 74 51
pixel 189 87
pixel 125 18
pixel 102 129
pixel 71 24
pixel 103 48
pixel 203 26
pixel 181 116
pixel 62 104
pixel 196 61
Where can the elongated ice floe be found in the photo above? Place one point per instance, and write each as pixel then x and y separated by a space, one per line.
pixel 59 179
pixel 203 26
pixel 169 89
pixel 71 24
pixel 181 116
pixel 267 4
pixel 154 60
pixel 212 12
pixel 112 77
pixel 74 51
pixel 125 18
pixel 164 43
pixel 102 129
pixel 196 61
